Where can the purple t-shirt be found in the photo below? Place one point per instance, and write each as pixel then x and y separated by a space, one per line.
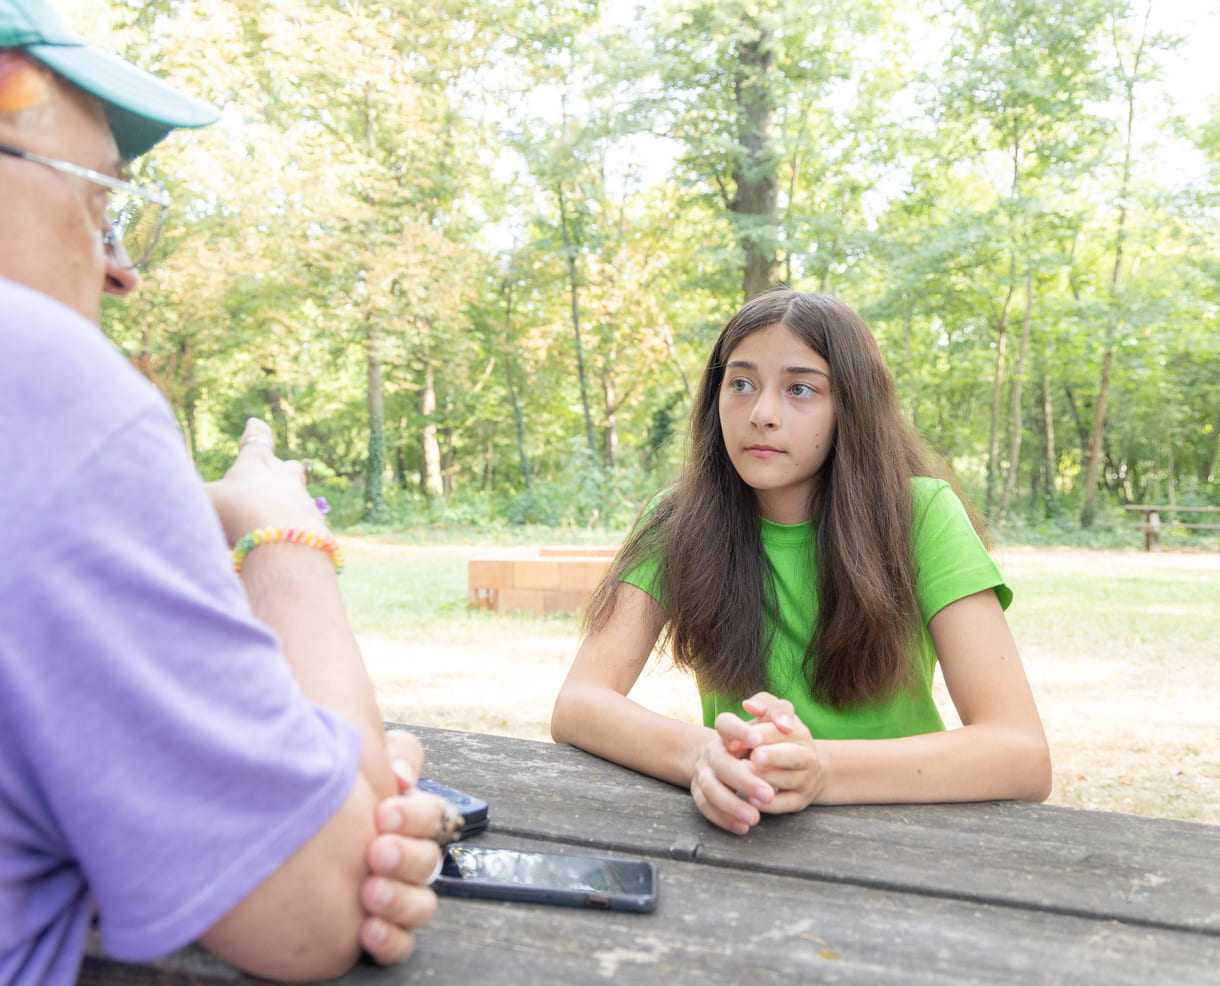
pixel 157 759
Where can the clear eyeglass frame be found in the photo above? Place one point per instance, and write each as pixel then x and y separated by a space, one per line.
pixel 135 213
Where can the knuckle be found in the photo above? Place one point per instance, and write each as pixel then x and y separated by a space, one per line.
pixel 415 908
pixel 377 894
pixel 396 946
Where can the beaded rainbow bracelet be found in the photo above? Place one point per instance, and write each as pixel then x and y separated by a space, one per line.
pixel 286 535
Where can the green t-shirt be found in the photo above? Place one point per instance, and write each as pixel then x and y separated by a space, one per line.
pixel 952 564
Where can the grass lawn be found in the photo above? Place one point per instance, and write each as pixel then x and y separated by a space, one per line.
pixel 1122 648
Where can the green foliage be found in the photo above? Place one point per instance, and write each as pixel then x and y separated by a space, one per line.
pixel 583 493
pixel 422 205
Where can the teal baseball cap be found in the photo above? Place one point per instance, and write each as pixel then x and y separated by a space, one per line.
pixel 140 108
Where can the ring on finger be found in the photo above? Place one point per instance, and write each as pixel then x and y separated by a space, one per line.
pixel 255 440
pixel 451 825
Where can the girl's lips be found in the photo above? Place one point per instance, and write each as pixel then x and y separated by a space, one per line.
pixel 762 451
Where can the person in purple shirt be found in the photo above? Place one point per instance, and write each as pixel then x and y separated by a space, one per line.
pixel 185 754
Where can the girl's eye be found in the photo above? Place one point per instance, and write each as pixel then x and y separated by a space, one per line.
pixel 739 386
pixel 801 390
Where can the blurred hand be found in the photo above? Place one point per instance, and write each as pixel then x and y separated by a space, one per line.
pixel 260 490
pixel 402 858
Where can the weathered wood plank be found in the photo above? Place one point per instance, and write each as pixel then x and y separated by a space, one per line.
pixel 1114 866
pixel 715 925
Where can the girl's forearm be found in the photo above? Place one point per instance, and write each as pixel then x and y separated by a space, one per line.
pixel 601 721
pixel 980 762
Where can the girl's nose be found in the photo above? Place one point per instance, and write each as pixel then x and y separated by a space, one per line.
pixel 765 413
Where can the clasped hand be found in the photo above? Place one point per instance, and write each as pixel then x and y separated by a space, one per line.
pixel 401 859
pixel 766 764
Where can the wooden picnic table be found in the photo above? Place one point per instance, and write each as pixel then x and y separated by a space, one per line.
pixel 1151 524
pixel 893 894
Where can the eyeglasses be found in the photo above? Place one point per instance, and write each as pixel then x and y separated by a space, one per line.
pixel 134 213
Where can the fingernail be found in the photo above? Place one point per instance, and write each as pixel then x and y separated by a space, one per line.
pixel 402 770
pixel 388 856
pixel 785 721
pixel 383 893
pixel 393 819
pixel 753 737
pixel 375 930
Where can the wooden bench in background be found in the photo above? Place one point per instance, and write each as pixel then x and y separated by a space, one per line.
pixel 1152 525
pixel 540 580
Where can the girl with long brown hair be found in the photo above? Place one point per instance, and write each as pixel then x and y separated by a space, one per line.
pixel 810 570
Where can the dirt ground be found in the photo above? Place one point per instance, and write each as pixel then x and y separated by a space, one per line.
pixel 1129 730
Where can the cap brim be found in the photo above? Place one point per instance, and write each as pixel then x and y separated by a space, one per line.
pixel 141 108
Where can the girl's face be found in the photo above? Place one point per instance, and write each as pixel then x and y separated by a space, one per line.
pixel 777 419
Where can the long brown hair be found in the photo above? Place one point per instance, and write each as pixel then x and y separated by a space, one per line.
pixel 714 577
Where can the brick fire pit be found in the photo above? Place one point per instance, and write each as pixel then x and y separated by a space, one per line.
pixel 541 580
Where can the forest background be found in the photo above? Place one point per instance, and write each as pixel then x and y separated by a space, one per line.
pixel 468 258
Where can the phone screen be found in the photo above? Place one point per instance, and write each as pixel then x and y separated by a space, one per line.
pixel 514 874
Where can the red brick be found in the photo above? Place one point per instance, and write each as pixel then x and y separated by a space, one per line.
pixel 489 573
pixel 585 574
pixel 527 599
pixel 534 573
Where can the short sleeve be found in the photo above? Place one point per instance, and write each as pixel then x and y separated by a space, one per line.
pixel 951 559
pixel 164 747
pixel 645 574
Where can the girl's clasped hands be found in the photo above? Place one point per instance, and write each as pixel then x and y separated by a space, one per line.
pixel 768 764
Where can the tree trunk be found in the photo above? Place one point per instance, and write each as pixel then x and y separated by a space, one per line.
pixel 610 430
pixel 1082 433
pixel 673 355
pixel 1088 511
pixel 997 404
pixel 399 465
pixel 489 456
pixel 1018 379
pixel 1171 485
pixel 1096 437
pixel 912 403
pixel 509 376
pixel 273 397
pixel 190 408
pixel 570 253
pixel 756 176
pixel 1209 473
pixel 374 467
pixel 434 484
pixel 448 465
pixel 1051 468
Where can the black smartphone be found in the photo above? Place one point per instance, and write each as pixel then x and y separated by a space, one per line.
pixel 548 878
pixel 474 810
